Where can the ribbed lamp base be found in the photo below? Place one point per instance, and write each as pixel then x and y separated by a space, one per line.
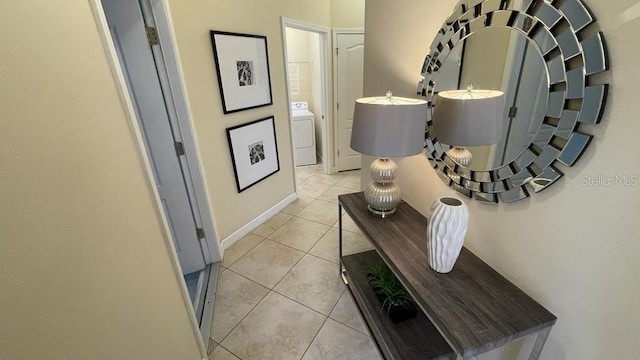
pixel 382 194
pixel 460 155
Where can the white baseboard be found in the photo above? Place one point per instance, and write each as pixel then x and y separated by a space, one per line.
pixel 249 227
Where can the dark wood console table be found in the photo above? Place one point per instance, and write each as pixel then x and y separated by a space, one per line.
pixel 469 311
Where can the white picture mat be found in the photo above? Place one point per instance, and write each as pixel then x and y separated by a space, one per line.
pixel 241 138
pixel 230 50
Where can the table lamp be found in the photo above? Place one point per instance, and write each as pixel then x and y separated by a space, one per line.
pixel 468 117
pixel 385 127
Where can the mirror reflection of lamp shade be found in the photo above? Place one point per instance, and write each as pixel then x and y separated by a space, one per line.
pixel 469 117
pixel 389 126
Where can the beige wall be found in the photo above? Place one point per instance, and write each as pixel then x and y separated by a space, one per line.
pixel 573 247
pixel 299 44
pixel 347 13
pixel 192 20
pixel 486 51
pixel 84 270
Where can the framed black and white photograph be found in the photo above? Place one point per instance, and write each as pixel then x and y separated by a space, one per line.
pixel 254 151
pixel 242 65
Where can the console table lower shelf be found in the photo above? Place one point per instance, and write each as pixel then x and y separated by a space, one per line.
pixel 410 339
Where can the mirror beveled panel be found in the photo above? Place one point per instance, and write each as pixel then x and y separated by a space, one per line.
pixel 531 50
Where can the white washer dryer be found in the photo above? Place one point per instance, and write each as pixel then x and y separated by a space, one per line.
pixel 303 133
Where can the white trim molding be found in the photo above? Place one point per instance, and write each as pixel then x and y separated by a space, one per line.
pixel 259 220
pixel 328 161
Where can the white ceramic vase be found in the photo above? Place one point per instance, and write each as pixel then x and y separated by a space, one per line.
pixel 448 221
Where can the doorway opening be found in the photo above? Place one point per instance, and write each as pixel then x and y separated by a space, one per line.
pixel 306 56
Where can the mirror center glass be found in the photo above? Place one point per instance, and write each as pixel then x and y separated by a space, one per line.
pixel 501 58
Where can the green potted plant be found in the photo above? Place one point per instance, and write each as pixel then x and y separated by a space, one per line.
pixel 395 299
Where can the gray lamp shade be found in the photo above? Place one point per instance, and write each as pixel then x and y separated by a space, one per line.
pixel 469 117
pixel 389 126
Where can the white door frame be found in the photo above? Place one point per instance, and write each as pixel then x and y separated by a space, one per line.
pixel 336 128
pixel 174 85
pixel 161 9
pixel 329 161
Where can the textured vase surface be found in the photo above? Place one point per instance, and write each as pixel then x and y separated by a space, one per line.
pixel 448 221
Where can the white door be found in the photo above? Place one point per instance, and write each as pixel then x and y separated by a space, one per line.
pixel 350 73
pixel 134 52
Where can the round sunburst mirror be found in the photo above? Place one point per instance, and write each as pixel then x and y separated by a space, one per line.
pixel 535 52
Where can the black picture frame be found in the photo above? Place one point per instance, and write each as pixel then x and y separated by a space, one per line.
pixel 254 151
pixel 242 67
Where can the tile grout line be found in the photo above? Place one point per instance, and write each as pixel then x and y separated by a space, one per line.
pixel 288 298
pixel 345 292
pixel 278 228
pixel 314 244
pixel 321 258
pixel 318 257
pixel 248 251
pixel 316 222
pixel 230 352
pixel 314 338
pixel 241 320
pixel 253 281
pixel 301 218
pixel 289 246
pixel 299 303
pixel 306 252
pixel 289 271
pixel 247 314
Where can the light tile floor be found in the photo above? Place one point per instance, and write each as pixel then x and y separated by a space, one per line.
pixel 279 295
